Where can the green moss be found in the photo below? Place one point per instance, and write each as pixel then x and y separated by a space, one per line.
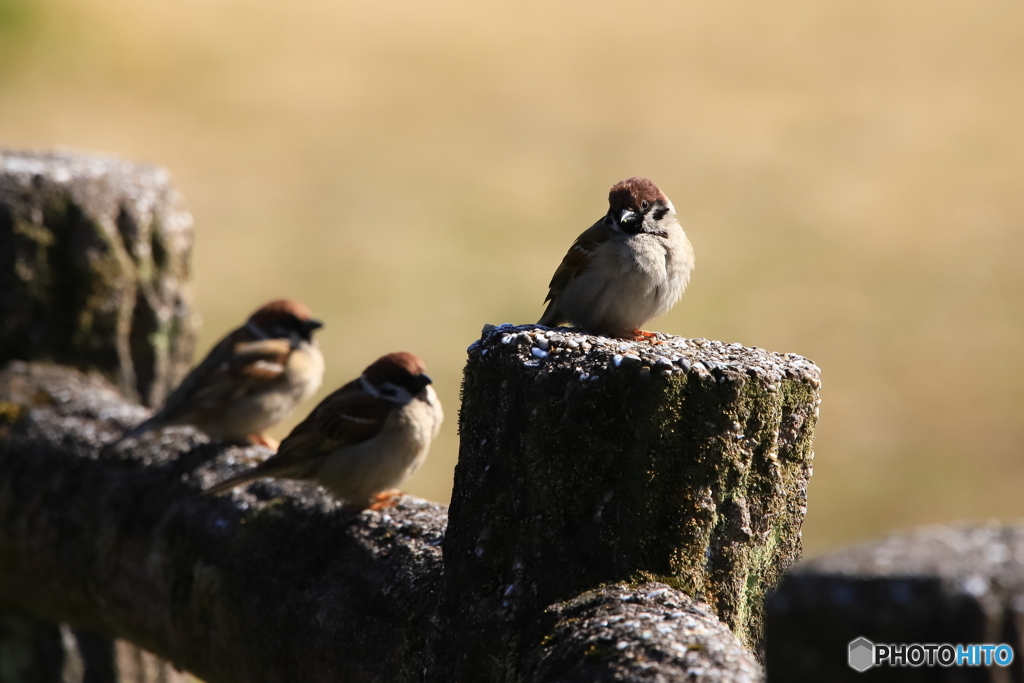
pixel 599 651
pixel 160 339
pixel 38 234
pixel 11 413
pixel 680 582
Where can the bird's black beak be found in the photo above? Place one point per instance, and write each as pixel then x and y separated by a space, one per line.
pixel 313 325
pixel 422 381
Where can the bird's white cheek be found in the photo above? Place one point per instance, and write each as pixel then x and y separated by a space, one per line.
pixel 306 369
pixel 438 413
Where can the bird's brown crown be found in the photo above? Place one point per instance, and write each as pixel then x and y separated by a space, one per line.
pixel 394 368
pixel 275 311
pixel 631 192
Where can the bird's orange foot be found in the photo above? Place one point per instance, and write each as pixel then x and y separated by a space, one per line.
pixel 644 335
pixel 264 440
pixel 385 499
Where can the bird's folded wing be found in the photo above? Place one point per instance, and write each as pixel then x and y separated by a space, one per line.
pixel 578 258
pixel 348 416
pixel 260 361
pixel 231 371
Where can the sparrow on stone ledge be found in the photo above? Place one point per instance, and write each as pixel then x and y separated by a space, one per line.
pixel 251 380
pixel 364 438
pixel 629 267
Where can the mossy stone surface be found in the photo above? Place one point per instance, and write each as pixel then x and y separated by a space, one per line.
pixel 581 641
pixel 95 269
pixel 274 584
pixel 586 460
pixel 277 582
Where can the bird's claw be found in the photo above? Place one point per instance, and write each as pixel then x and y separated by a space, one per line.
pixel 644 335
pixel 264 440
pixel 385 499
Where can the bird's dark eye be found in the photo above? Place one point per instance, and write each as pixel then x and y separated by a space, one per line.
pixel 644 205
pixel 389 391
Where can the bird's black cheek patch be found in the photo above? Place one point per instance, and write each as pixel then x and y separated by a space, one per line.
pixel 659 213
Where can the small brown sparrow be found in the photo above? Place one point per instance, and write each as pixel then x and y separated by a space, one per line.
pixel 629 267
pixel 364 438
pixel 251 380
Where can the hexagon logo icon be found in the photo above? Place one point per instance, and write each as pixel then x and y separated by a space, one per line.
pixel 862 654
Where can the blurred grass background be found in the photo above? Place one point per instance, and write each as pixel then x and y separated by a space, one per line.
pixel 851 176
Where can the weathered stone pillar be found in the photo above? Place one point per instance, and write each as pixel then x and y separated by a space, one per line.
pixel 94 272
pixel 586 460
pixel 943 584
pixel 94 269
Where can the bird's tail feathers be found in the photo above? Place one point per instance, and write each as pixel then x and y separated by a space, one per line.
pixel 551 317
pixel 232 482
pixel 135 432
pixel 143 427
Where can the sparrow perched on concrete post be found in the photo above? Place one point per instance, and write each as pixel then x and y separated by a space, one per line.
pixel 364 438
pixel 629 267
pixel 251 380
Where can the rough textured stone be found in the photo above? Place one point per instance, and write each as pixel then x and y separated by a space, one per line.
pixel 94 269
pixel 586 460
pixel 275 582
pixel 942 584
pixel 592 639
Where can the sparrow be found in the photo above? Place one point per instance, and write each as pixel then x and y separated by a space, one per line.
pixel 629 267
pixel 364 438
pixel 251 380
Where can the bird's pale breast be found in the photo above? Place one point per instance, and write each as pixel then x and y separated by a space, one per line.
pixel 357 472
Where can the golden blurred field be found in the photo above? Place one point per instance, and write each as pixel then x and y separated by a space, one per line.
pixel 851 176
